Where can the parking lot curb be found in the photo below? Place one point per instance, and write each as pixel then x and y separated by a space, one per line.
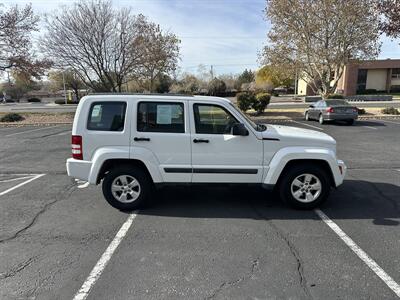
pixel 33 124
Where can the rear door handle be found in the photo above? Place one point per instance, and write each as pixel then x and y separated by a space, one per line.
pixel 141 139
pixel 200 141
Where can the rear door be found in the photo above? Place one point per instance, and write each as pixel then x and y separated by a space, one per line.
pixel 219 156
pixel 161 128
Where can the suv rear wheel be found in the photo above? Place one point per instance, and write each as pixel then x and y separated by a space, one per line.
pixel 126 188
pixel 304 186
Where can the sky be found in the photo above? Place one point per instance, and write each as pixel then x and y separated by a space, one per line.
pixel 227 34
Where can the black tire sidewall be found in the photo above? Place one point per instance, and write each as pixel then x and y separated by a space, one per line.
pixel 287 179
pixel 141 177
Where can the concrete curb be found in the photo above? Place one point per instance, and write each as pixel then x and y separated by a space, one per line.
pixel 2 125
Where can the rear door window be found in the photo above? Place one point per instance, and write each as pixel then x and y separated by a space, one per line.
pixel 107 116
pixel 161 117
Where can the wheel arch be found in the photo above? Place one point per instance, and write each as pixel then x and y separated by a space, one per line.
pixel 286 157
pixel 323 164
pixel 118 162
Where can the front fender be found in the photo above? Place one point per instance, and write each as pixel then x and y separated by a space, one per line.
pixel 285 155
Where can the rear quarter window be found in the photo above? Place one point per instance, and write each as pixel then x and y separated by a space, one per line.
pixel 107 116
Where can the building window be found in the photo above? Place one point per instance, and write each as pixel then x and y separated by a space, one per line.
pixel 396 73
pixel 362 80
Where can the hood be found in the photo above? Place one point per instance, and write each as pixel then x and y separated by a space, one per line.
pixel 299 137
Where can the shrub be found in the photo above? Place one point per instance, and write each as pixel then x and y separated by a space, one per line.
pixel 361 111
pixel 59 101
pixel 34 100
pixel 245 100
pixel 390 111
pixel 261 102
pixel 12 117
pixel 335 96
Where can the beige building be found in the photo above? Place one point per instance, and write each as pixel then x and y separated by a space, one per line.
pixel 364 77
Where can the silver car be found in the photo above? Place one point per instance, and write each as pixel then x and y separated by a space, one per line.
pixel 331 110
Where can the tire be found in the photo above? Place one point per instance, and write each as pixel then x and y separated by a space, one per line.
pixel 321 119
pixel 350 122
pixel 137 188
pixel 289 185
pixel 306 116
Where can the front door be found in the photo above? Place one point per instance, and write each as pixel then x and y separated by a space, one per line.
pixel 162 133
pixel 219 156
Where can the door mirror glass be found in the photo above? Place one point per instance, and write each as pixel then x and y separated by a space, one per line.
pixel 239 129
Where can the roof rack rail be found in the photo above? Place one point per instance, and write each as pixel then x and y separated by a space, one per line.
pixel 143 94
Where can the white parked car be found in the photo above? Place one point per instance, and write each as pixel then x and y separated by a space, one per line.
pixel 131 143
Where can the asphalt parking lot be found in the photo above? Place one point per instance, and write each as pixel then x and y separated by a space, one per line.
pixel 200 243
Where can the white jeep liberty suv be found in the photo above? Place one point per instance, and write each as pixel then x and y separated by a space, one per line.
pixel 130 143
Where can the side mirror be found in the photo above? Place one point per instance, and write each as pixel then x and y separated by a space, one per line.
pixel 239 129
pixel 312 106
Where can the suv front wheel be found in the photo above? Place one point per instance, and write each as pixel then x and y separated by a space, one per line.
pixel 305 186
pixel 126 188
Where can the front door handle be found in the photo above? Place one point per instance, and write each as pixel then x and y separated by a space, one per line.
pixel 200 141
pixel 141 139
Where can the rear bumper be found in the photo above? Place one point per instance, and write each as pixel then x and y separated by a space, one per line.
pixel 79 169
pixel 339 116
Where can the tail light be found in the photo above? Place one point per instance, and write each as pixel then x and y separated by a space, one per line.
pixel 330 110
pixel 77 151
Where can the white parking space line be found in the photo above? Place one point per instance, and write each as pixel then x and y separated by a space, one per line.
pixel 312 126
pixel 15 179
pixel 370 127
pixel 104 259
pixel 22 183
pixel 32 130
pixel 393 285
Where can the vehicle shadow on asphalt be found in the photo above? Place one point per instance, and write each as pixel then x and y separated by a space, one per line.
pixel 355 199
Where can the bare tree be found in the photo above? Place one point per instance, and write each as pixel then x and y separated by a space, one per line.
pixel 160 52
pixel 390 21
pixel 317 38
pixel 16 27
pixel 103 45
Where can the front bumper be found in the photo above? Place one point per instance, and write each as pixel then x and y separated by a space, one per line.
pixel 341 172
pixel 79 169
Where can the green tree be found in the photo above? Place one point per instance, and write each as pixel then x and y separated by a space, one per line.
pixel 247 76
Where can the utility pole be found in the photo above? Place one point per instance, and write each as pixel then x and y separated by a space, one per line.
pixel 65 92
pixel 212 72
pixel 295 84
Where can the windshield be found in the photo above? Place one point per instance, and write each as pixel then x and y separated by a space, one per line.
pixel 258 127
